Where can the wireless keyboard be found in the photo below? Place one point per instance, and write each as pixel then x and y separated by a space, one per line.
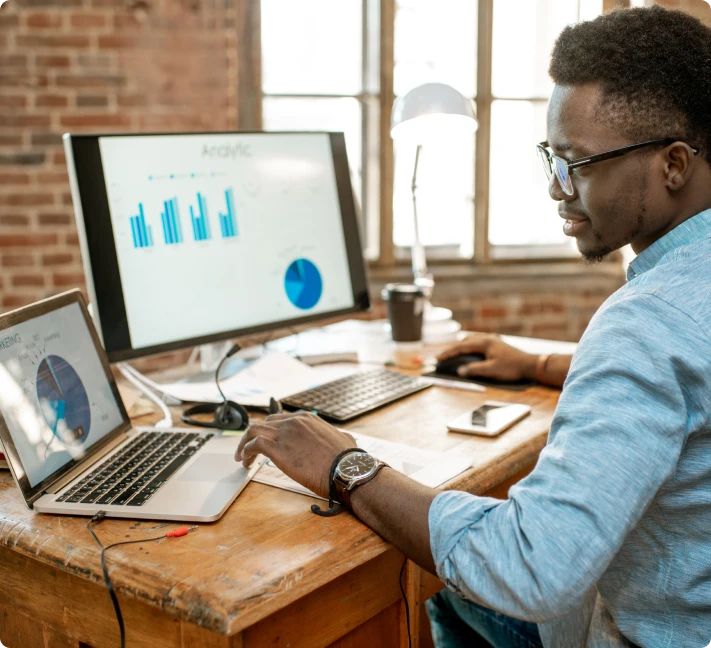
pixel 346 398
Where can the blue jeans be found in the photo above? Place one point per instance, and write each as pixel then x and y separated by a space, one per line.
pixel 458 623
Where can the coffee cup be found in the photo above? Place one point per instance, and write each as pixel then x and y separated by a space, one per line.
pixel 406 305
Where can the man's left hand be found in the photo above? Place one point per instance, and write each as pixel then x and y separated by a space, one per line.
pixel 302 445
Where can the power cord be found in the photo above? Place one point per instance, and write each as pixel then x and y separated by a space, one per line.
pixel 175 533
pixel 407 605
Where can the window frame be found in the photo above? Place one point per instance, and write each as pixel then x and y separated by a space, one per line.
pixel 379 15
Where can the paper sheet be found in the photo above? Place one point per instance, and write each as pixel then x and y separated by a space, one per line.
pixel 274 375
pixel 426 467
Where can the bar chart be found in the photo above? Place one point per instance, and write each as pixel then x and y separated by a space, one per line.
pixel 170 217
pixel 141 233
pixel 228 221
pixel 201 224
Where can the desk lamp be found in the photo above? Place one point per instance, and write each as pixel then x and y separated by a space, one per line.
pixel 429 112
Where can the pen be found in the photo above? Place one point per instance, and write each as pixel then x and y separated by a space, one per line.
pixel 456 384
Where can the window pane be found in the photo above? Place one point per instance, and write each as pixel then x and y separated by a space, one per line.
pixel 287 114
pixel 445 194
pixel 312 46
pixel 530 26
pixel 520 210
pixel 435 41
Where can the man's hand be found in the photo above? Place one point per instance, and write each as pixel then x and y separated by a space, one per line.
pixel 302 445
pixel 502 362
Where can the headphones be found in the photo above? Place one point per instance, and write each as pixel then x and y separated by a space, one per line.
pixel 228 415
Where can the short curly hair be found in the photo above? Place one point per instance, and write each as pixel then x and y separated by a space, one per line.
pixel 654 69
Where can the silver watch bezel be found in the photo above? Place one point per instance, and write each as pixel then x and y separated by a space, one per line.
pixel 351 482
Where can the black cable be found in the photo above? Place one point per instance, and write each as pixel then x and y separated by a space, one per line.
pixel 407 605
pixel 112 593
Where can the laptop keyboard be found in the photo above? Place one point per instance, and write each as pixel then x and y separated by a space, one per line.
pixel 134 475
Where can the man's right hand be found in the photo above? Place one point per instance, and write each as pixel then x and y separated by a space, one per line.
pixel 502 361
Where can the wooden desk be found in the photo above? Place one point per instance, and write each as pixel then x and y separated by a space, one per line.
pixel 270 573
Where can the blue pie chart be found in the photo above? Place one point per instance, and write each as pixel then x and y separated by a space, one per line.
pixel 303 284
pixel 63 400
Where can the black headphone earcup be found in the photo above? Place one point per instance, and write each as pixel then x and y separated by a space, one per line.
pixel 231 416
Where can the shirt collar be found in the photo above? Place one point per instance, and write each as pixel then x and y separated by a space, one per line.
pixel 691 230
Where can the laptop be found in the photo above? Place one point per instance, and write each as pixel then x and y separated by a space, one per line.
pixel 68 440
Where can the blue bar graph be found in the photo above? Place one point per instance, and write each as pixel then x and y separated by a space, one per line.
pixel 170 219
pixel 201 224
pixel 228 221
pixel 141 233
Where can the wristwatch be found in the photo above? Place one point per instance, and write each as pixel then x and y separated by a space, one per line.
pixel 354 469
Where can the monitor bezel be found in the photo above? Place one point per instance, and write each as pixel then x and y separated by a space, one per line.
pixel 101 269
pixel 25 314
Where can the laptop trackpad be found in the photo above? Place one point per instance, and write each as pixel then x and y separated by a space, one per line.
pixel 215 468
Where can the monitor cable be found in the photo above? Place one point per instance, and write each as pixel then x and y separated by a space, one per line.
pixel 136 379
pixel 175 533
pixel 227 415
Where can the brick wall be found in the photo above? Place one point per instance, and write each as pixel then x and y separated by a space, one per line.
pixel 94 66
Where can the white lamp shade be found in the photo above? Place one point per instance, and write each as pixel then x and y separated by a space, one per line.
pixel 432 111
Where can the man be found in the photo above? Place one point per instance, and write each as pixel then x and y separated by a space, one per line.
pixel 608 541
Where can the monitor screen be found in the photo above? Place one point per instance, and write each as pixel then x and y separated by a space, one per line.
pixel 54 393
pixel 192 238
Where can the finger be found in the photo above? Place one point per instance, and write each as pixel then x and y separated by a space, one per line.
pixel 475 344
pixel 485 368
pixel 259 445
pixel 254 430
pixel 286 416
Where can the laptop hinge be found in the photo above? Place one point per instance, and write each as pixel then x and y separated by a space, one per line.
pixel 85 465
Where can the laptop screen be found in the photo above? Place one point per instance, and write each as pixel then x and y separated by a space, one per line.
pixel 54 393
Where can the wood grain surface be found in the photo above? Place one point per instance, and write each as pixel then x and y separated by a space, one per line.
pixel 266 562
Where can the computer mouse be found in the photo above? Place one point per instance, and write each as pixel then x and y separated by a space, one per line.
pixel 450 365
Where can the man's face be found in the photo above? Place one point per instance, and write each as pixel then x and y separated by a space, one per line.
pixel 616 202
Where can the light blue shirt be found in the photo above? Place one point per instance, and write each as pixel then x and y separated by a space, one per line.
pixel 608 540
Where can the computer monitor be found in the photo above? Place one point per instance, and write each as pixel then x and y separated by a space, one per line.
pixel 194 238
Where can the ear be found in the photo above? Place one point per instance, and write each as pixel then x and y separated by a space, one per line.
pixel 678 164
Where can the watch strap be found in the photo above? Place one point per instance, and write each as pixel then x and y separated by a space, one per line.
pixel 334 506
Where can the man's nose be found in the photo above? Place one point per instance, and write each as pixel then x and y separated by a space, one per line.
pixel 555 191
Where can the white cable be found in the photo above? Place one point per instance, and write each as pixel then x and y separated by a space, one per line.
pixel 134 377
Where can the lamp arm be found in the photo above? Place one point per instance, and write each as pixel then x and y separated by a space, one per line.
pixel 419 260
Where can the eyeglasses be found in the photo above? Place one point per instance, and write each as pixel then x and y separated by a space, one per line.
pixel 563 169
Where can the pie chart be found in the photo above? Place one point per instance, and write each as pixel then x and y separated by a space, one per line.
pixel 63 400
pixel 303 284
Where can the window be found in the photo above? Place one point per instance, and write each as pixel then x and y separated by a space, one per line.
pixel 339 64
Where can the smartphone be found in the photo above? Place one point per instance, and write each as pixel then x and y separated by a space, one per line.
pixel 490 418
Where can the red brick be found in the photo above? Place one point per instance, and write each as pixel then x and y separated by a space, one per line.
pixel 88 20
pixel 28 280
pixel 72 238
pixel 57 259
pixel 53 61
pixel 492 311
pixel 16 301
pixel 13 101
pixel 10 140
pixel 53 178
pixel 55 219
pixel 50 41
pixel 114 42
pixel 27 240
pixel 28 198
pixel 9 21
pixel 90 81
pixel 43 20
pixel 17 260
pixel 68 279
pixel 14 178
pixel 15 220
pixel 12 60
pixel 92 101
pixel 22 121
pixel 95 121
pixel 59 159
pixel 51 101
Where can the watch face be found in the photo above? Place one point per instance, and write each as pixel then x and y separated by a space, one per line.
pixel 357 464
